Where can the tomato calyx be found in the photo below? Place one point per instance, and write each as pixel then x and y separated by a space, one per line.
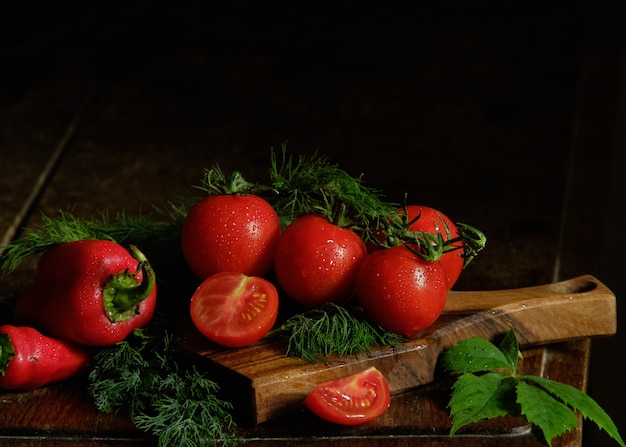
pixel 338 215
pixel 426 245
pixel 216 182
pixel 473 240
pixel 429 246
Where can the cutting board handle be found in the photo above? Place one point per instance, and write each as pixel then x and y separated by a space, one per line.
pixel 575 308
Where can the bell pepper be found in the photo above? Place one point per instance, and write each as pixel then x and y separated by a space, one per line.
pixel 93 292
pixel 30 360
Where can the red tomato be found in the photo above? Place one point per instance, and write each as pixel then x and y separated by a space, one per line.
pixel 316 261
pixel 352 400
pixel 233 309
pixel 401 291
pixel 230 233
pixel 431 221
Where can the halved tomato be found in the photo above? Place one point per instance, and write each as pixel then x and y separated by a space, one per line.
pixel 234 309
pixel 352 400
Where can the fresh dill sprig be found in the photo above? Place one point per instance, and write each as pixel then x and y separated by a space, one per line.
pixel 305 185
pixel 187 413
pixel 332 329
pixel 141 378
pixel 139 230
pixel 314 185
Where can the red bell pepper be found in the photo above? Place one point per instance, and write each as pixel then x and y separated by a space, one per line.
pixel 92 292
pixel 29 359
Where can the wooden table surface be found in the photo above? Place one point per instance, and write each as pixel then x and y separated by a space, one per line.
pixel 504 124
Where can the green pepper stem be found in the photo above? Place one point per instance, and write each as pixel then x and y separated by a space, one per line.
pixel 123 293
pixel 7 351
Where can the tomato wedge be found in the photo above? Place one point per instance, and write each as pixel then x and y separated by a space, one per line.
pixel 352 400
pixel 234 309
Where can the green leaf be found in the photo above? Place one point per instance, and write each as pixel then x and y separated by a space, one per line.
pixel 474 355
pixel 581 402
pixel 510 348
pixel 547 404
pixel 552 417
pixel 480 397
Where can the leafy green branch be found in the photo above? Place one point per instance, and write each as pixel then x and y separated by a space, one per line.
pixel 489 386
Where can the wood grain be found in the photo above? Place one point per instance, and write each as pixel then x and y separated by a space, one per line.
pixel 268 385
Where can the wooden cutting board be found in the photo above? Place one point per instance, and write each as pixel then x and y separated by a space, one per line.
pixel 264 384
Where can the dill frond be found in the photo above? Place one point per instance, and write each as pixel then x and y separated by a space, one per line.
pixel 314 185
pixel 142 230
pixel 333 330
pixel 141 378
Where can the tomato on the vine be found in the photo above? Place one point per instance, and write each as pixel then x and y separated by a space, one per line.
pixel 431 220
pixel 233 309
pixel 316 261
pixel 401 291
pixel 230 233
pixel 351 400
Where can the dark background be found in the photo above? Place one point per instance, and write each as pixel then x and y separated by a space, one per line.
pixel 492 93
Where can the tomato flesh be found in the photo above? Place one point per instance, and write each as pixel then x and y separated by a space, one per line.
pixel 233 309
pixel 351 400
pixel 316 261
pixel 402 292
pixel 230 233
